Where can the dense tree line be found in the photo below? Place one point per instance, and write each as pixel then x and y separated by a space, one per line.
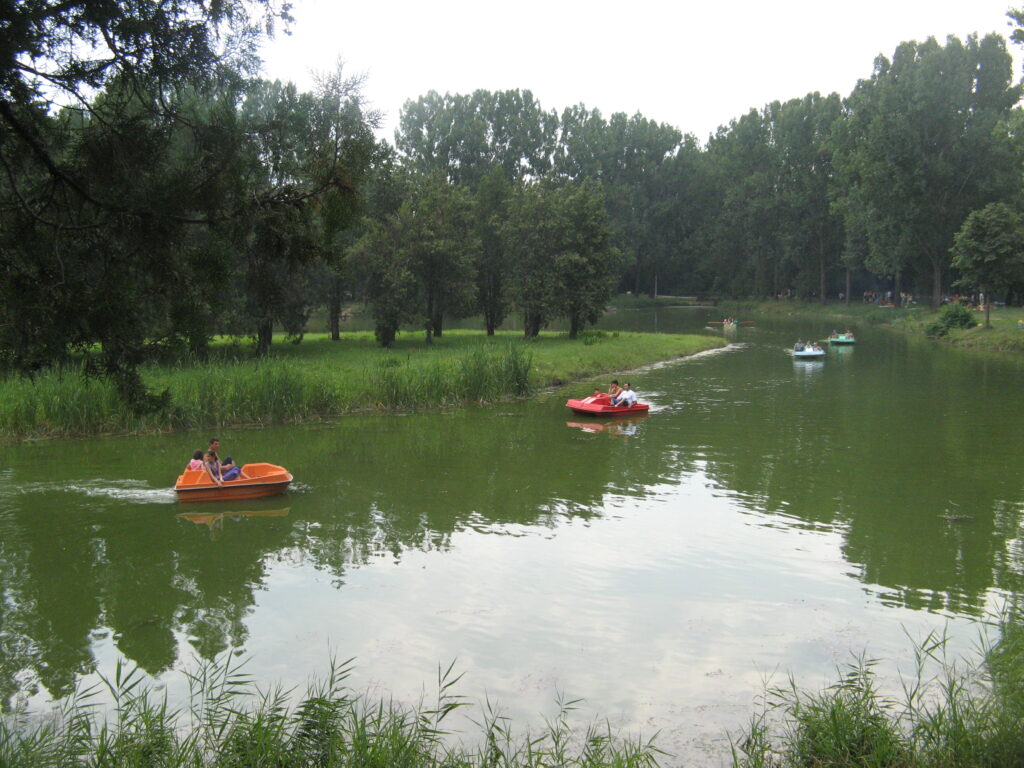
pixel 154 193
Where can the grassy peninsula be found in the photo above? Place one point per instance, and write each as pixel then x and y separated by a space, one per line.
pixel 322 379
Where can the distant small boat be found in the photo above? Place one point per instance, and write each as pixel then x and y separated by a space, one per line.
pixel 841 338
pixel 808 353
pixel 263 480
pixel 601 405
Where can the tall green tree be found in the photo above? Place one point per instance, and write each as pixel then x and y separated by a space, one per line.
pixel 563 258
pixel 922 145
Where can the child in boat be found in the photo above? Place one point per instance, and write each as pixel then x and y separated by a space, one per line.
pixel 196 462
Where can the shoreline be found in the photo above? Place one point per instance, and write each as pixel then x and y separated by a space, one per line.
pixel 1003 335
pixel 321 380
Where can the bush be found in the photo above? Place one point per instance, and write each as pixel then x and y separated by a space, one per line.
pixel 954 315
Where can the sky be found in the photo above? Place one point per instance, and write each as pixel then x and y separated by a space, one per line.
pixel 695 66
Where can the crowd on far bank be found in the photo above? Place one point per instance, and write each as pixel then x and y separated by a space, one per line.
pixel 888 299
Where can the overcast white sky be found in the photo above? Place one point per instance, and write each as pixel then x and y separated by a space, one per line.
pixel 693 65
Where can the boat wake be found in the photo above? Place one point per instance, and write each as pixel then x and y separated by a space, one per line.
pixel 124 490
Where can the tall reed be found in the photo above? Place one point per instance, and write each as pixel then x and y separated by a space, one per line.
pixel 232 723
pixel 281 389
pixel 964 716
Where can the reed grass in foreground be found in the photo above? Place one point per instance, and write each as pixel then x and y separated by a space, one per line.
pixel 966 716
pixel 323 379
pixel 229 723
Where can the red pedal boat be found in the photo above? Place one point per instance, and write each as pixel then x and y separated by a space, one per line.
pixel 263 480
pixel 601 405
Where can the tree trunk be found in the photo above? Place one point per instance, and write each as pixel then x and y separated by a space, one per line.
pixel 437 324
pixel 936 283
pixel 574 325
pixel 334 309
pixel 821 277
pixel 847 286
pixel 264 335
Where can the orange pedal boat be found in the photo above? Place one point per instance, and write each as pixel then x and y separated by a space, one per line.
pixel 263 480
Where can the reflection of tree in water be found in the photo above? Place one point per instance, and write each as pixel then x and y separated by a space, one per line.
pixel 380 486
pixel 926 515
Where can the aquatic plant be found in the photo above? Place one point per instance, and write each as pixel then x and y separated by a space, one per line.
pixel 963 715
pixel 230 722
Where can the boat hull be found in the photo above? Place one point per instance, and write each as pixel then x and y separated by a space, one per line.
pixel 604 409
pixel 808 355
pixel 264 480
pixel 842 339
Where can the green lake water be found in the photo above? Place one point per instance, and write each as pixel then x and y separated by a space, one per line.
pixel 768 517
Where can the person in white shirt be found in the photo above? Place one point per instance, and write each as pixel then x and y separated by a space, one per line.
pixel 627 398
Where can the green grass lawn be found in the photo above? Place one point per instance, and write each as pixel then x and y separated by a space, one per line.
pixel 320 379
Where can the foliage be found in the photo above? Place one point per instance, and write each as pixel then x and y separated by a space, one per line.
pixel 322 379
pixel 988 251
pixel 231 722
pixel 964 715
pixel 920 146
pixel 954 315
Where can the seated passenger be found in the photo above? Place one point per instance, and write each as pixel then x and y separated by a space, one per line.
pixel 593 397
pixel 212 466
pixel 196 462
pixel 627 398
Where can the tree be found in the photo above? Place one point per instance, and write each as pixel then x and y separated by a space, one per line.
pixel 417 263
pixel 988 251
pixel 307 155
pixel 104 191
pixel 921 146
pixel 563 261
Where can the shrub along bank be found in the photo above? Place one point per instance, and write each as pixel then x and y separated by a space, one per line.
pixel 321 379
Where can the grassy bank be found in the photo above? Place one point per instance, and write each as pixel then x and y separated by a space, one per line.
pixel 1003 335
pixel 965 716
pixel 321 379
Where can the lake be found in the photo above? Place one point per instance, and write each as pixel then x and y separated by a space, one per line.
pixel 769 517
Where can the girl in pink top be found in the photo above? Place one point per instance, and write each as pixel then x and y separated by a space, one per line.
pixel 197 461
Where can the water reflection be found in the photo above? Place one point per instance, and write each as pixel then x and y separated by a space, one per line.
pixel 898 457
pixel 625 427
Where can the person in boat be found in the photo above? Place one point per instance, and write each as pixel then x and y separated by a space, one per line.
pixel 196 462
pixel 228 469
pixel 614 390
pixel 212 466
pixel 593 397
pixel 799 346
pixel 627 398
pixel 848 334
pixel 834 334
